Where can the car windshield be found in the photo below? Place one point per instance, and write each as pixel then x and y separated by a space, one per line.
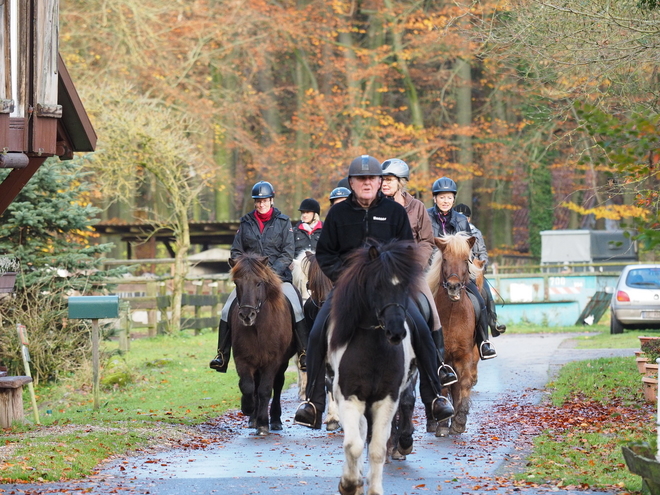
pixel 644 278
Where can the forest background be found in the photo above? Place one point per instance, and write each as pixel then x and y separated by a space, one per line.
pixel 545 113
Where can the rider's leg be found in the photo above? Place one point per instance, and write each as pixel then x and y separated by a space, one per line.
pixel 427 359
pixel 221 361
pixel 301 328
pixel 446 373
pixel 495 329
pixel 486 349
pixel 310 412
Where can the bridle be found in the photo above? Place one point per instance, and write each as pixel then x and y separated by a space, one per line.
pixel 381 311
pixel 461 285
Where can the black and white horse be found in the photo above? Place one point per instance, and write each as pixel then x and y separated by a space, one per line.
pixel 370 352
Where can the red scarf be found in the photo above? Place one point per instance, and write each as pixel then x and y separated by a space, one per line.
pixel 263 218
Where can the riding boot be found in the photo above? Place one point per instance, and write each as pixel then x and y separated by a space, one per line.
pixel 310 412
pixel 221 361
pixel 495 329
pixel 440 407
pixel 446 373
pixel 302 335
pixel 486 349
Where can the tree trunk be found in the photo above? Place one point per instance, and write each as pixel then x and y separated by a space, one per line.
pixel 464 120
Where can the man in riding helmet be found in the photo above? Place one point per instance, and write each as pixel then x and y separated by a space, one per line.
pixel 307 231
pixel 265 231
pixel 480 252
pixel 366 214
pixel 339 194
pixel 396 174
pixel 447 221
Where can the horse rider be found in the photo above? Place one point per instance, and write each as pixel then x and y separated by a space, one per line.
pixel 396 174
pixel 447 221
pixel 265 231
pixel 307 231
pixel 480 252
pixel 366 214
pixel 339 194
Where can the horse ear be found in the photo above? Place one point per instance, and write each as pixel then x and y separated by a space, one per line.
pixel 263 260
pixel 232 262
pixel 471 241
pixel 440 242
pixel 373 253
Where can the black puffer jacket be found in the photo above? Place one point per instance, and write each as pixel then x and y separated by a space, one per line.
pixel 454 222
pixel 306 241
pixel 348 226
pixel 276 241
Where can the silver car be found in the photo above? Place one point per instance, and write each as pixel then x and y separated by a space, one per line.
pixel 636 299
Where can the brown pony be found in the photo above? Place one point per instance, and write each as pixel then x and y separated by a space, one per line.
pixel 448 276
pixel 262 339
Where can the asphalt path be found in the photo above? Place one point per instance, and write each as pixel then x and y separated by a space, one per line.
pixel 300 461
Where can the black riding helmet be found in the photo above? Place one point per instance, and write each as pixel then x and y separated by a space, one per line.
pixel 310 204
pixel 464 209
pixel 444 184
pixel 365 165
pixel 339 192
pixel 396 167
pixel 263 189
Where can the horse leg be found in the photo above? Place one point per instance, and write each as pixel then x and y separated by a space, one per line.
pixel 382 413
pixel 405 424
pixel 351 412
pixel 275 404
pixel 263 392
pixel 332 417
pixel 465 383
pixel 246 385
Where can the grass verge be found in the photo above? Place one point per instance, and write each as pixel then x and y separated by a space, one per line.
pixel 150 395
pixel 595 407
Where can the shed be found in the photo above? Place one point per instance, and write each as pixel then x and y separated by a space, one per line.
pixel 41 114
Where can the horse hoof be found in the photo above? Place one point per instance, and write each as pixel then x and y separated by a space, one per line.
pixel 357 489
pixel 442 431
pixel 276 426
pixel 398 456
pixel 263 431
pixel 431 425
pixel 403 449
pixel 457 429
pixel 332 425
pixel 252 422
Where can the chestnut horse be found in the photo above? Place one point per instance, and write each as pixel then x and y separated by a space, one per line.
pixel 447 277
pixel 262 339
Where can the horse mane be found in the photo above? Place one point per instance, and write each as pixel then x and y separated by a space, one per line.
pixel 318 284
pixel 366 274
pixel 257 266
pixel 454 246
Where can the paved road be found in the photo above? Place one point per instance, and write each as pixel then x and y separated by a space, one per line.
pixel 301 461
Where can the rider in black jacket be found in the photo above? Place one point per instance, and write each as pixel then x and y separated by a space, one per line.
pixel 366 214
pixel 265 231
pixel 447 221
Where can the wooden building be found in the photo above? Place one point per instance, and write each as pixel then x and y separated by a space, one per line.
pixel 41 114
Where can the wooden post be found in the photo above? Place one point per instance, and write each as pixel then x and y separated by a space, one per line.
pixel 95 361
pixel 162 290
pixel 214 292
pixel 125 326
pixel 199 285
pixel 22 336
pixel 11 399
pixel 152 321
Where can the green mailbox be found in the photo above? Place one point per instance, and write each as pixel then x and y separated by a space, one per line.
pixel 94 307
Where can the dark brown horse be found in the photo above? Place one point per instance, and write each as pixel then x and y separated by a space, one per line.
pixel 448 276
pixel 262 339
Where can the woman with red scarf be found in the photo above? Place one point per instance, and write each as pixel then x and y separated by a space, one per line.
pixel 265 231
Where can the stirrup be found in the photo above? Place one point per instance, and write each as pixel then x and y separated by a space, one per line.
pixel 481 353
pixel 314 422
pixel 448 369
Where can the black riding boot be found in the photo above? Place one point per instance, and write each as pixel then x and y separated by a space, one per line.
pixel 221 361
pixel 310 412
pixel 302 336
pixel 423 345
pixel 486 349
pixel 495 329
pixel 446 373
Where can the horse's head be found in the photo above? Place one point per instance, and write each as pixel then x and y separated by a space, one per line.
pixel 254 281
pixel 374 288
pixel 455 263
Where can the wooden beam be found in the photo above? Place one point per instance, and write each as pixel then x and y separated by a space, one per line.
pixel 16 180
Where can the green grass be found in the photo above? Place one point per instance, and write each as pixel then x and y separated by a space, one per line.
pixel 161 381
pixel 596 407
